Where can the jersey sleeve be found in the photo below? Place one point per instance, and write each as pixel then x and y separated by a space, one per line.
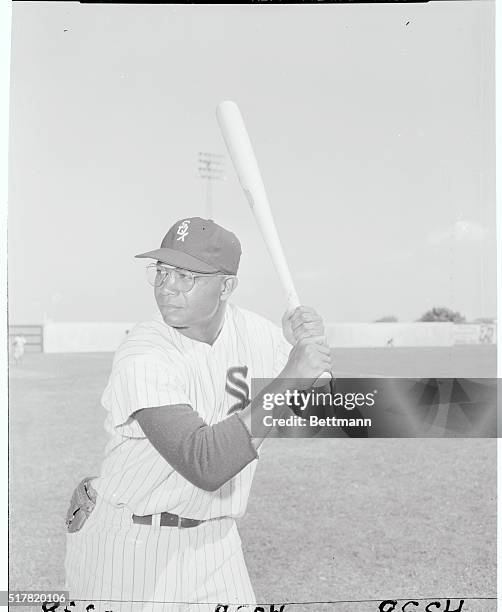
pixel 141 383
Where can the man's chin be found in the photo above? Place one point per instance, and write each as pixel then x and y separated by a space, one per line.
pixel 174 317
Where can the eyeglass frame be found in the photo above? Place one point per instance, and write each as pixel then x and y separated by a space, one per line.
pixel 192 273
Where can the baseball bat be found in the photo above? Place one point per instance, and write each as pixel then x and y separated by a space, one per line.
pixel 246 166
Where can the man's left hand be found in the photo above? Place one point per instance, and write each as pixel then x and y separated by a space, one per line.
pixel 82 503
pixel 302 322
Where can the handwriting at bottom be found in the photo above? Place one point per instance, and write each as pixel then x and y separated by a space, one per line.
pixel 218 608
pixel 247 608
pixel 391 605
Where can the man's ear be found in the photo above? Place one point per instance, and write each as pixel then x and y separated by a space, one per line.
pixel 228 286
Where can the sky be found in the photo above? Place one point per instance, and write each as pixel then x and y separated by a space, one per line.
pixel 373 126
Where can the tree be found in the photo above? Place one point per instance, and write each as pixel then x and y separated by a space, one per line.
pixel 440 314
pixel 386 319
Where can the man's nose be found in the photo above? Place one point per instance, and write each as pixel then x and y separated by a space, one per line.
pixel 168 286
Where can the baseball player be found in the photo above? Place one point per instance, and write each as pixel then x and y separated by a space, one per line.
pixel 18 343
pixel 156 530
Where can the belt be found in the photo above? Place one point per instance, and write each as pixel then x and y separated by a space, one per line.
pixel 167 520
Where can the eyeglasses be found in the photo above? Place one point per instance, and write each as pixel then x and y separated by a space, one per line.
pixel 184 280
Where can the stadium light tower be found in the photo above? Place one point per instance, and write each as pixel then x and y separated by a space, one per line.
pixel 211 168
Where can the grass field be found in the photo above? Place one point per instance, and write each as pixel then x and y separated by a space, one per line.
pixel 327 519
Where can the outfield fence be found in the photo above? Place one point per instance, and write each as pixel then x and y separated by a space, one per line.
pixel 476 333
pixel 360 335
pixel 54 337
pixel 33 334
pixel 352 335
pixel 84 337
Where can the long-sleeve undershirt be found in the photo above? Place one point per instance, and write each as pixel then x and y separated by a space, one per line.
pixel 206 455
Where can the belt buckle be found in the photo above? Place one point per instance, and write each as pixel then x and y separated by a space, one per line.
pixel 179 522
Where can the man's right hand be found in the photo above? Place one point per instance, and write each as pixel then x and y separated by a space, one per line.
pixel 308 359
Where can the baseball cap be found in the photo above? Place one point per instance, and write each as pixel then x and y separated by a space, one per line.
pixel 200 245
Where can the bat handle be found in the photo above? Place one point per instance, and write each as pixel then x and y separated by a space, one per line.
pixel 294 302
pixel 323 379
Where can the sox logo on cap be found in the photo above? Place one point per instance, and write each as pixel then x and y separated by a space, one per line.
pixel 183 230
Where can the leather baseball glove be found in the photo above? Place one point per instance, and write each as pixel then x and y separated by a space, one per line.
pixel 82 504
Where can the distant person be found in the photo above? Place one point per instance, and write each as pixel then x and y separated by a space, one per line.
pixel 390 342
pixel 18 348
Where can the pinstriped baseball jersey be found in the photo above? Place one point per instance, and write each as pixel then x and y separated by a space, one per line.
pixel 158 366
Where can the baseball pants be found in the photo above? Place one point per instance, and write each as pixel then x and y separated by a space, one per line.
pixel 120 566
